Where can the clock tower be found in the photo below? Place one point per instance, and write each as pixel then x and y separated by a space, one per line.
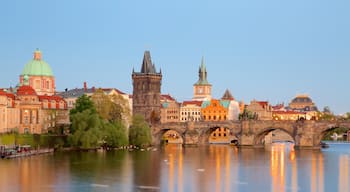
pixel 202 88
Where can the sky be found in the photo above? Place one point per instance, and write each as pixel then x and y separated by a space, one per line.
pixel 265 50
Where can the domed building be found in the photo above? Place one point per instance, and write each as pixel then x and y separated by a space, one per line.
pixel 40 76
pixel 302 103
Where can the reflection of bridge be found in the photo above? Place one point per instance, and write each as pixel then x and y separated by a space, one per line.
pixel 306 134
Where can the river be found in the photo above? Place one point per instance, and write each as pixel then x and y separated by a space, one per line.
pixel 173 168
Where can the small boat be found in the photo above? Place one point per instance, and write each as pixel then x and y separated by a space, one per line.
pixel 324 145
pixel 21 151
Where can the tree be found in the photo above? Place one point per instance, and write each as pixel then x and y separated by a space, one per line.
pixel 139 132
pixel 114 134
pixel 82 104
pixel 87 129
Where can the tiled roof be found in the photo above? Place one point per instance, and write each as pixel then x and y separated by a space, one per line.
pixel 198 103
pixel 26 90
pixel 167 97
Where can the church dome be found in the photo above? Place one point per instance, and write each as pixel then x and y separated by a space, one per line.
pixel 302 99
pixel 37 67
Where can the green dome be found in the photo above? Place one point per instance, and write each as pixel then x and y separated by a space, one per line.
pixel 37 66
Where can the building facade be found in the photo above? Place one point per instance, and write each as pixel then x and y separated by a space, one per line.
pixel 190 111
pixel 170 109
pixel 261 110
pixel 215 110
pixel 33 107
pixel 146 90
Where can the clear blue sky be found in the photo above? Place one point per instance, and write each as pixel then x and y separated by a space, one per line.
pixel 265 50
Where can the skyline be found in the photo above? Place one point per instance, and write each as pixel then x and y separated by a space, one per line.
pixel 267 50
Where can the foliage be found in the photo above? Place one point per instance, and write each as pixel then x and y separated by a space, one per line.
pixel 83 103
pixel 35 140
pixel 246 115
pixel 114 134
pixel 326 116
pixel 87 129
pixel 113 108
pixel 139 132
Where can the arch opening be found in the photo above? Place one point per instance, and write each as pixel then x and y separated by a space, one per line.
pixel 273 135
pixel 219 135
pixel 335 134
pixel 172 137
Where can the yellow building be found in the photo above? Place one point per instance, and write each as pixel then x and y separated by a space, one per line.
pixel 215 110
pixel 288 115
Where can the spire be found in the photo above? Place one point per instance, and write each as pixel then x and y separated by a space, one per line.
pixel 147 66
pixel 37 54
pixel 202 74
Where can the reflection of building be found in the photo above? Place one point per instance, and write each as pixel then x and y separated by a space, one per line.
pixel 220 135
pixel 190 111
pixel 32 107
pixel 170 109
pixel 202 89
pixel 261 109
pixel 146 90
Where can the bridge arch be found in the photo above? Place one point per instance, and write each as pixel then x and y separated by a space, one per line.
pixel 260 140
pixel 328 129
pixel 217 134
pixel 169 135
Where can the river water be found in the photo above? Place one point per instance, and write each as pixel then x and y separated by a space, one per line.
pixel 175 168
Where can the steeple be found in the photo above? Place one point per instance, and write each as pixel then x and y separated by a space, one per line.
pixel 147 66
pixel 227 95
pixel 202 74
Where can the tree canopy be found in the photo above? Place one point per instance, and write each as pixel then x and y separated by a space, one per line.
pixel 139 132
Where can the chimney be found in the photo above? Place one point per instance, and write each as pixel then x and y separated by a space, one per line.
pixel 85 86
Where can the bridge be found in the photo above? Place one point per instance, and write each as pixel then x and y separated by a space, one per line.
pixel 250 133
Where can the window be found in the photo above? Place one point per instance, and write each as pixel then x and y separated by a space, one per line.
pixel 47 84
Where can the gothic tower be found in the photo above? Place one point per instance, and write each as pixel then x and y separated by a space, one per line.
pixel 146 90
pixel 202 89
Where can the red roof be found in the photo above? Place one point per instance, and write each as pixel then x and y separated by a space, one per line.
pixel 50 98
pixel 26 90
pixel 3 92
pixel 167 97
pixel 198 103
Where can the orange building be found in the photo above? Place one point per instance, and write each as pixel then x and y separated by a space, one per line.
pixel 215 110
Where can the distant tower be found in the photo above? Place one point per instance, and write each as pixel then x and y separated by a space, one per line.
pixel 146 90
pixel 38 75
pixel 202 89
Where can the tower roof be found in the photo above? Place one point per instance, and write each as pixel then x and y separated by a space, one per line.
pixel 147 66
pixel 227 95
pixel 37 67
pixel 202 74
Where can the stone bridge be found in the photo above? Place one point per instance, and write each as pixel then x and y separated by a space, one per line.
pixel 306 134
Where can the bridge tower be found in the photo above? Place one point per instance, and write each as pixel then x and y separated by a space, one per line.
pixel 146 90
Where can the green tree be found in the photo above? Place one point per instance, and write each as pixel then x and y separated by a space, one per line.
pixel 114 134
pixel 139 132
pixel 87 129
pixel 82 104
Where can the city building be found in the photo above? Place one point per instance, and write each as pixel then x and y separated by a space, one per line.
pixel 261 110
pixel 40 76
pixel 190 111
pixel 303 103
pixel 146 90
pixel 32 106
pixel 170 109
pixel 215 110
pixel 202 88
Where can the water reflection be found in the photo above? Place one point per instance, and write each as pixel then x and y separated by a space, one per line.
pixel 176 168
